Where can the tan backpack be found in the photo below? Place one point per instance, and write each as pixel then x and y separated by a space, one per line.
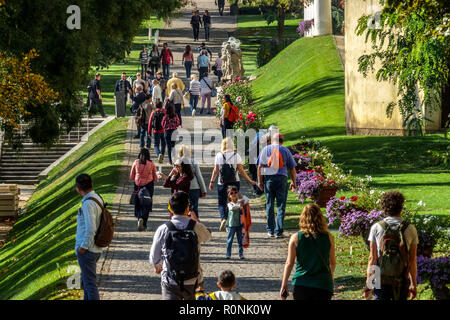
pixel 105 231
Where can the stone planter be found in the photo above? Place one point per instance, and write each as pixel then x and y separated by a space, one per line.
pixel 325 195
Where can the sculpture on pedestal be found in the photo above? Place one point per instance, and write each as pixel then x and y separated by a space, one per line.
pixel 232 66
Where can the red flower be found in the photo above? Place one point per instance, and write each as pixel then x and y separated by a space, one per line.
pixel 354 198
pixel 321 178
pixel 342 198
pixel 331 182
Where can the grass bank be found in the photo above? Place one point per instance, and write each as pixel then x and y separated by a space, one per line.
pixel 34 262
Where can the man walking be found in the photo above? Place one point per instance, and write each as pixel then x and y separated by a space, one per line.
pixel 124 87
pixel 221 5
pixel 274 162
pixel 95 96
pixel 196 22
pixel 88 221
pixel 175 252
pixel 203 64
pixel 166 60
pixel 144 59
pixel 204 47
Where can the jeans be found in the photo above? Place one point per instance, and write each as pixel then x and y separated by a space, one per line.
pixel 159 141
pixel 98 103
pixel 144 135
pixel 207 28
pixel 206 97
pixel 387 292
pixel 154 68
pixel 194 195
pixel 196 30
pixel 170 144
pixel 310 293
pixel 238 232
pixel 88 266
pixel 188 67
pixel 178 112
pixel 166 70
pixel 223 198
pixel 219 75
pixel 143 69
pixel 193 102
pixel 140 212
pixel 275 188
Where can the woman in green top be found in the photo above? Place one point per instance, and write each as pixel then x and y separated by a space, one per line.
pixel 313 246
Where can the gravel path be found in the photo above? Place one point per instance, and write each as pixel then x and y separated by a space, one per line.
pixel 124 267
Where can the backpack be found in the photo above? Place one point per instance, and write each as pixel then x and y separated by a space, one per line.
pixel 171 123
pixel 157 120
pixel 145 200
pixel 182 256
pixel 105 231
pixel 227 173
pixel 276 161
pixel 233 115
pixel 393 259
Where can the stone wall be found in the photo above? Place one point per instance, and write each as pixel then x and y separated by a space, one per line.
pixel 366 99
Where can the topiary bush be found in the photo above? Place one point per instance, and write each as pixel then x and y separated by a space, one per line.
pixel 268 49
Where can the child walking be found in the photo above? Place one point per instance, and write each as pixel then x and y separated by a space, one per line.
pixel 234 222
pixel 226 283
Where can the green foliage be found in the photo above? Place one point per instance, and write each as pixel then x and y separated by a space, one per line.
pixel 66 56
pixel 414 53
pixel 337 15
pixel 268 49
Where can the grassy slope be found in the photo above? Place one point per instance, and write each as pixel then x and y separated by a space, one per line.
pixel 252 28
pixel 44 236
pixel 302 91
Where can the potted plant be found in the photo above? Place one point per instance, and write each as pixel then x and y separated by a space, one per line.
pixel 436 272
pixel 312 184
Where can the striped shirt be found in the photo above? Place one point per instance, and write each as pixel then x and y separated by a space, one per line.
pixel 195 87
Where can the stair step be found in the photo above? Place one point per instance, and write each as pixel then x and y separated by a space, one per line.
pixel 18 177
pixel 26 169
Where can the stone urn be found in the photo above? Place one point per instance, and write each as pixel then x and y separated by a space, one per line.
pixel 325 195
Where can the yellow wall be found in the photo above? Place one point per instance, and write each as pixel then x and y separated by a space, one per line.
pixel 366 99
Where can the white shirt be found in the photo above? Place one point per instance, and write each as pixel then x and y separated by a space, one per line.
pixel 195 87
pixel 231 158
pixel 156 94
pixel 205 88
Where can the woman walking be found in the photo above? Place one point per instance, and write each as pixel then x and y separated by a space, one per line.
pixel 156 92
pixel 170 123
pixel 207 86
pixel 225 123
pixel 143 173
pixel 176 97
pixel 227 166
pixel 155 59
pixel 194 91
pixel 206 24
pixel 198 187
pixel 188 60
pixel 218 67
pixel 313 247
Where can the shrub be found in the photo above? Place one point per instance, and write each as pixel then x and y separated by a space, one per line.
pixel 268 49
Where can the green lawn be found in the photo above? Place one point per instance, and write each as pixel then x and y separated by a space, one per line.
pixel 252 29
pixel 34 262
pixel 130 65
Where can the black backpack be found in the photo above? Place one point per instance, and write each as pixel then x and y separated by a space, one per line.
pixel 157 120
pixel 182 256
pixel 227 172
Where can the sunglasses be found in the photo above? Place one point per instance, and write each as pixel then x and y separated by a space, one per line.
pixel 232 192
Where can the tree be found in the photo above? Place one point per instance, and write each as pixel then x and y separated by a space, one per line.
pixel 412 46
pixel 66 56
pixel 277 10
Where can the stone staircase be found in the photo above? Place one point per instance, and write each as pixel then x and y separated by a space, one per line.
pixel 24 167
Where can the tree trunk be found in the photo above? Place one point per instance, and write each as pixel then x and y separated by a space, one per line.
pixel 280 20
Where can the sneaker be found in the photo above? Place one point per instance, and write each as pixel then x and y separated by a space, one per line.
pixel 271 235
pixel 241 258
pixel 160 158
pixel 193 113
pixel 141 225
pixel 227 257
pixel 280 236
pixel 223 225
pixel 136 136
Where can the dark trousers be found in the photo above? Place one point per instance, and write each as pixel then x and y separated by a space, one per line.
pixel 253 168
pixel 207 29
pixel 88 266
pixel 98 103
pixel 139 211
pixel 227 126
pixel 143 69
pixel 275 188
pixel 388 292
pixel 309 293
pixel 188 67
pixel 154 68
pixel 144 135
pixel 222 196
pixel 166 70
pixel 159 143
pixel 178 112
pixel 221 8
pixel 202 71
pixel 194 196
pixel 196 30
pixel 169 143
pixel 193 101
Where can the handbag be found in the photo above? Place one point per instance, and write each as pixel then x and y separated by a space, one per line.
pixel 134 197
pixel 213 90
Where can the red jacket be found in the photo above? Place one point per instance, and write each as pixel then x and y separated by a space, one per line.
pixel 178 183
pixel 150 123
pixel 167 56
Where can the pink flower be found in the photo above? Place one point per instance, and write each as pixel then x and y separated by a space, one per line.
pixel 239 99
pixel 246 122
